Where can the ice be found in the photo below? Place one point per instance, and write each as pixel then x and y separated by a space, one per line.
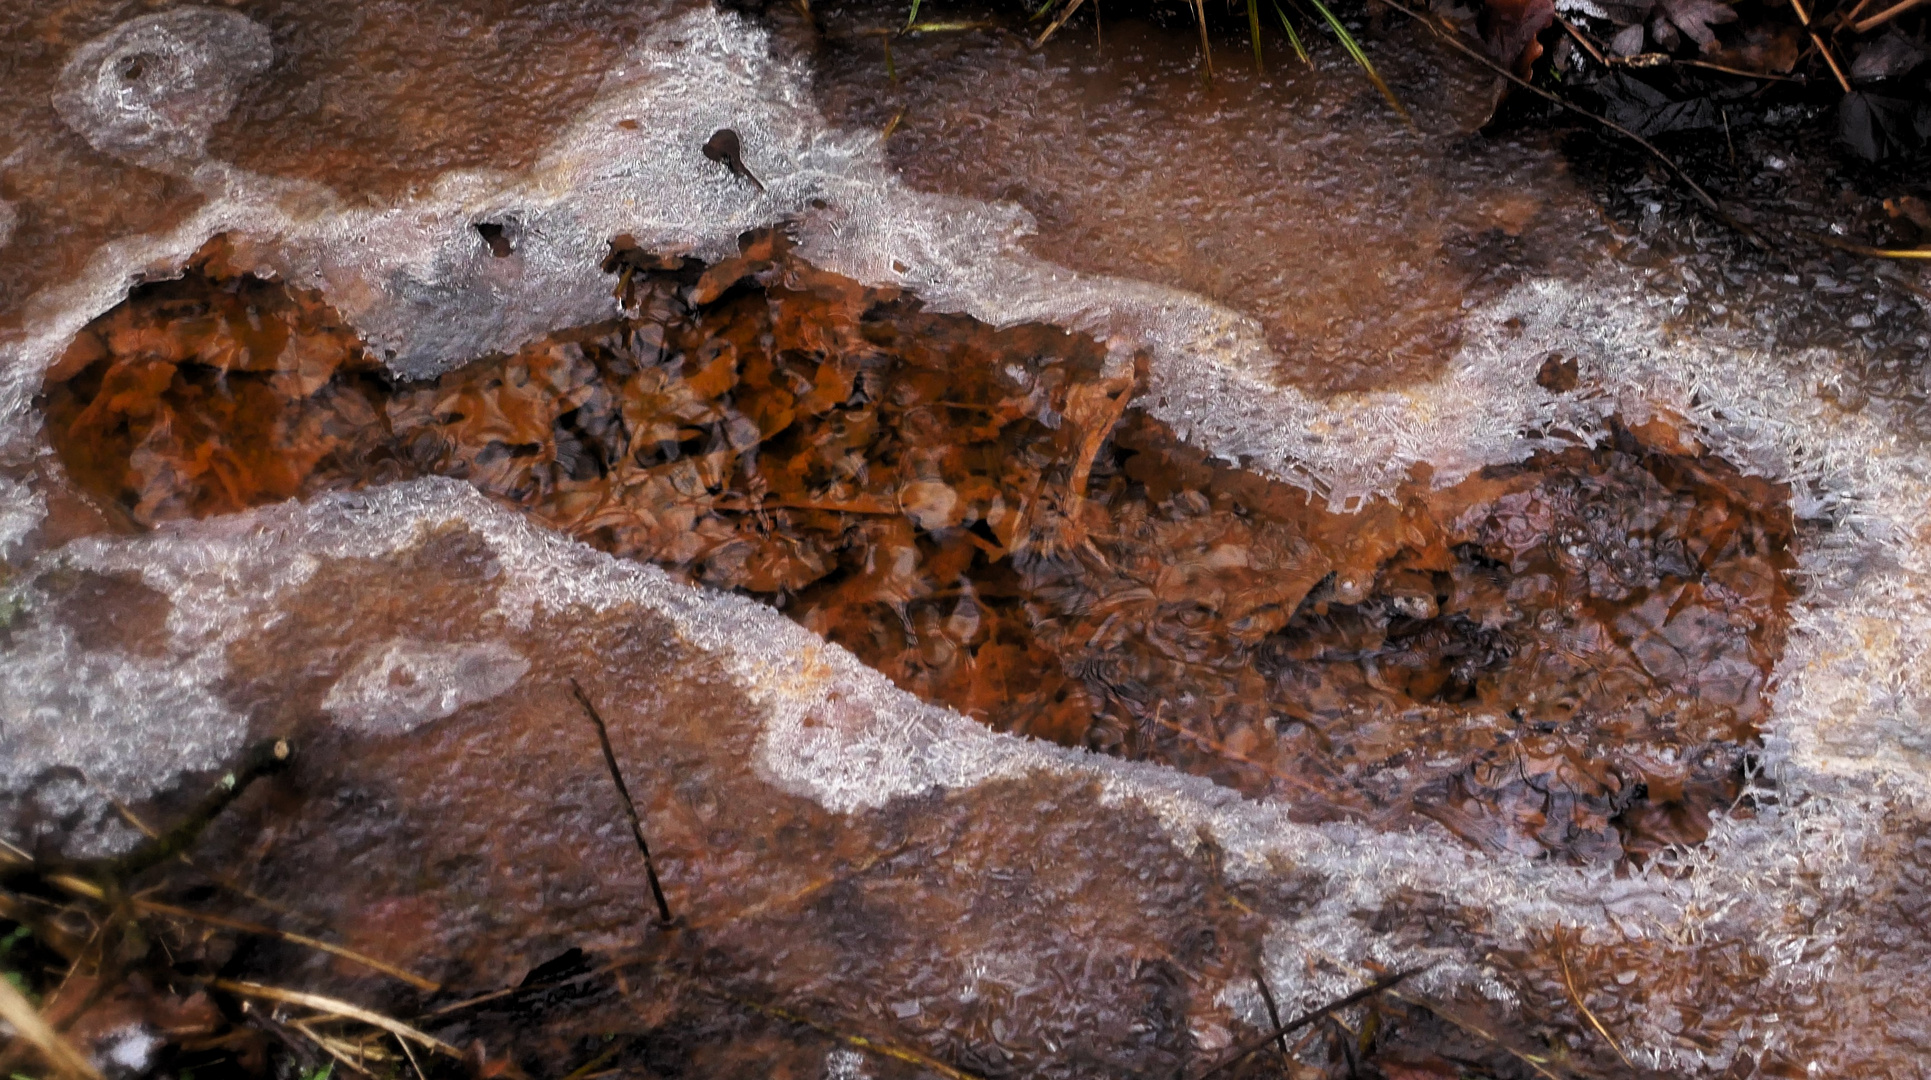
pixel 401 685
pixel 153 88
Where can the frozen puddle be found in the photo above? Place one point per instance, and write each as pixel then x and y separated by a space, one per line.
pixel 1004 904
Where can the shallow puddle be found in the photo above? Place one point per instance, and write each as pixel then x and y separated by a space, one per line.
pixel 1567 655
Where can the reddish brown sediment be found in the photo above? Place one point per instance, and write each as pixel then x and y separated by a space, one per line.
pixel 1567 655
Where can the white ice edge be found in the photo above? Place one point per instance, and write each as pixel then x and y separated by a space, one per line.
pixel 1849 734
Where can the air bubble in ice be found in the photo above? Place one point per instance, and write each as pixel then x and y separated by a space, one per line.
pixel 150 90
pixel 409 683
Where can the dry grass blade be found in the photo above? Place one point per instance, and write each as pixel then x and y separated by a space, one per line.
pixel 1569 982
pixel 1361 58
pixel 1064 14
pixel 93 892
pixel 28 1024
pixel 340 1009
pixel 897 1053
pixel 1206 50
pixel 1874 252
pixel 1254 33
pixel 1293 37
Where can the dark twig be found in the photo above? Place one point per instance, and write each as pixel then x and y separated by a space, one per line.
pixel 1273 1011
pixel 1246 1049
pixel 260 760
pixel 623 791
pixel 1709 201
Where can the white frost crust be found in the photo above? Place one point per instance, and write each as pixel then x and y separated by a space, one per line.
pixel 152 89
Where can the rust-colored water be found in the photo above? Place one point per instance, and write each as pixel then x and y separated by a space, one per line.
pixel 1568 655
pixel 1293 195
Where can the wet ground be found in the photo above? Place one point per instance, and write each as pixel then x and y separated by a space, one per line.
pixel 1527 722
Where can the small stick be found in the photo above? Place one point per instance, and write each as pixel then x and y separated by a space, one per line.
pixel 259 761
pixel 1246 1049
pixel 1885 16
pixel 1587 45
pixel 1804 17
pixel 1273 1012
pixel 630 808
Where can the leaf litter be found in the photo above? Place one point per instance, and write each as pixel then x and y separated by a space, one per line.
pixel 1566 657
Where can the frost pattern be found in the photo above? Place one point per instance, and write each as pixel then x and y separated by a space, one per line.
pixel 403 684
pixel 153 88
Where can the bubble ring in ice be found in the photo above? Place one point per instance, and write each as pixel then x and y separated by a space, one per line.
pixel 151 89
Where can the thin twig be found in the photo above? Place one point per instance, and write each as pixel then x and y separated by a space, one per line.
pixel 262 759
pixel 1246 1049
pixel 1803 16
pixel 630 808
pixel 1886 15
pixel 1709 201
pixel 1273 1012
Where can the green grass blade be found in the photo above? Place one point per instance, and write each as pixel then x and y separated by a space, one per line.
pixel 1254 32
pixel 1293 38
pixel 1354 50
pixel 914 16
pixel 1041 12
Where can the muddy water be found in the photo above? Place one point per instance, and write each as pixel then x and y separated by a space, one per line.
pixel 1294 195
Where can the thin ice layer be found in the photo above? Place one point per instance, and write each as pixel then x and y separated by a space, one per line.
pixel 1781 886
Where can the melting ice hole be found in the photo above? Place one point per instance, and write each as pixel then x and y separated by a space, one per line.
pixel 1565 657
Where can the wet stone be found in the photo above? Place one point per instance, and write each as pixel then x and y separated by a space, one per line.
pixel 1566 656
